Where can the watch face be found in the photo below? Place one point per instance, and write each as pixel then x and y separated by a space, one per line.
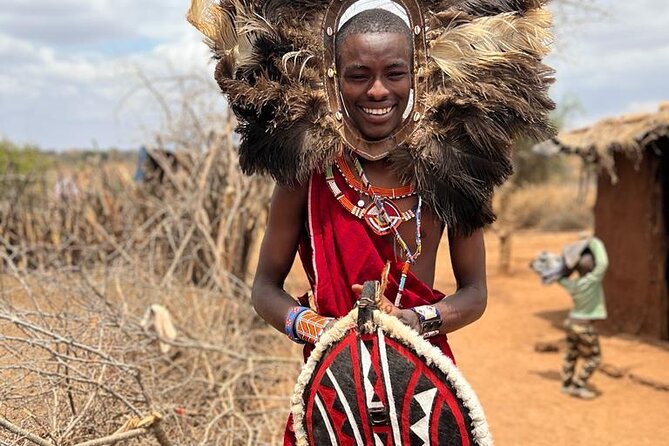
pixel 427 311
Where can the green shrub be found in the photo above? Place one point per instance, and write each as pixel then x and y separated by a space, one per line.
pixel 22 160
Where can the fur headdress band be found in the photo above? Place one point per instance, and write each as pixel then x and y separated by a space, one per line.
pixel 483 86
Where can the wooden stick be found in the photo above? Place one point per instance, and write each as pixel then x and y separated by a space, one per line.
pixel 115 437
pixel 19 431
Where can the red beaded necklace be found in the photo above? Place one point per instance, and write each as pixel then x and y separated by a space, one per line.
pixel 361 211
pixel 358 186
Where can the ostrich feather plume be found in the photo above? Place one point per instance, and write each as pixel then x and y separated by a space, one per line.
pixel 484 86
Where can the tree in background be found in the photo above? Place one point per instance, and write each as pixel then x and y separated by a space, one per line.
pixel 536 195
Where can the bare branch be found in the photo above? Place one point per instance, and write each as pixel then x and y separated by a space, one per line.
pixel 17 430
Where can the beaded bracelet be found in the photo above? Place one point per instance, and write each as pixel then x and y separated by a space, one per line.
pixel 429 318
pixel 289 326
pixel 309 326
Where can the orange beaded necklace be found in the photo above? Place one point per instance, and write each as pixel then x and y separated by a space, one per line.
pixel 383 192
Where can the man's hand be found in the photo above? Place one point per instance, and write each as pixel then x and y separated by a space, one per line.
pixel 407 317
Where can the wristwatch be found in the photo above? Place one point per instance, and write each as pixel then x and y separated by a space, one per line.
pixel 429 318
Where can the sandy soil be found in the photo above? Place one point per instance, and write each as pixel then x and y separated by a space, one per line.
pixel 519 388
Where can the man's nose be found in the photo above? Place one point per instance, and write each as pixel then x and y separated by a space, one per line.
pixel 377 90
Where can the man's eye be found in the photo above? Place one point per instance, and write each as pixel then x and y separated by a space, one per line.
pixel 397 74
pixel 357 77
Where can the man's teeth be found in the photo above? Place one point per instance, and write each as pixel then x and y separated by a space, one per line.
pixel 377 111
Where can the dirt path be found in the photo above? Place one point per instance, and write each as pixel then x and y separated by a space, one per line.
pixel 520 388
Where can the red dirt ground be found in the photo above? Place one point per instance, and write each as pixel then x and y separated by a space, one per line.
pixel 519 388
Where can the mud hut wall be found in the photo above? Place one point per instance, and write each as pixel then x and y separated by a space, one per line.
pixel 664 190
pixel 629 218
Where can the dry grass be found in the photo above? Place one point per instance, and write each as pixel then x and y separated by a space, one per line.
pixel 548 207
pixel 76 362
pixel 544 207
pixel 80 266
pixel 79 273
pixel 198 223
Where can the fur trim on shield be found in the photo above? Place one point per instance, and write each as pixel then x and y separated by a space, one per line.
pixel 485 87
pixel 395 329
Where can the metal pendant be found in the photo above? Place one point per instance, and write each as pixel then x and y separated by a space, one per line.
pixel 383 224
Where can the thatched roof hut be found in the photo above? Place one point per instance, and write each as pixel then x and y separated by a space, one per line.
pixel 631 213
pixel 630 135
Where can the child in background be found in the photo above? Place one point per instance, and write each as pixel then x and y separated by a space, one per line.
pixel 588 259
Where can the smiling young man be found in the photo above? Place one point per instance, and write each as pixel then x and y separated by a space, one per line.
pixel 334 220
pixel 382 138
pixel 374 63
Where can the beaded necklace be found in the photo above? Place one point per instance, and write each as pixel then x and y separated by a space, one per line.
pixel 411 257
pixel 358 186
pixel 370 212
pixel 384 207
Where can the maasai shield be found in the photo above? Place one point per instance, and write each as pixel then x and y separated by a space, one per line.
pixel 371 380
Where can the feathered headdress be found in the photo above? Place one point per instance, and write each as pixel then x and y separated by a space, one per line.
pixel 483 85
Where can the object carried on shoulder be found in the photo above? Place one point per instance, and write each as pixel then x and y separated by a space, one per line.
pixel 572 252
pixel 549 266
pixel 371 380
pixel 552 267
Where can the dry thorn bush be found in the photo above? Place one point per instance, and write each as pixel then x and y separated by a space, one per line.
pixel 79 363
pixel 546 207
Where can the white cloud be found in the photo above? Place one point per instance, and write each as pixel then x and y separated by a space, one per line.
pixel 9 84
pixel 57 95
pixel 73 21
pixel 68 65
pixel 61 22
pixel 615 58
pixel 15 52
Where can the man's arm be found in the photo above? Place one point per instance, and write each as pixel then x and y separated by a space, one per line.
pixel 277 253
pixel 469 301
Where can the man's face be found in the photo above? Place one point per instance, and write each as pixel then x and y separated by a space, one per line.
pixel 375 81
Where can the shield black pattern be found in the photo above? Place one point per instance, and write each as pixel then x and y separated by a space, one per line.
pixel 385 387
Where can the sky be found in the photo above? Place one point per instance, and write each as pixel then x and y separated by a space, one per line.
pixel 70 69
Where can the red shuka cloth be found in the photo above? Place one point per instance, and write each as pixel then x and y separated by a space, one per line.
pixel 340 250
